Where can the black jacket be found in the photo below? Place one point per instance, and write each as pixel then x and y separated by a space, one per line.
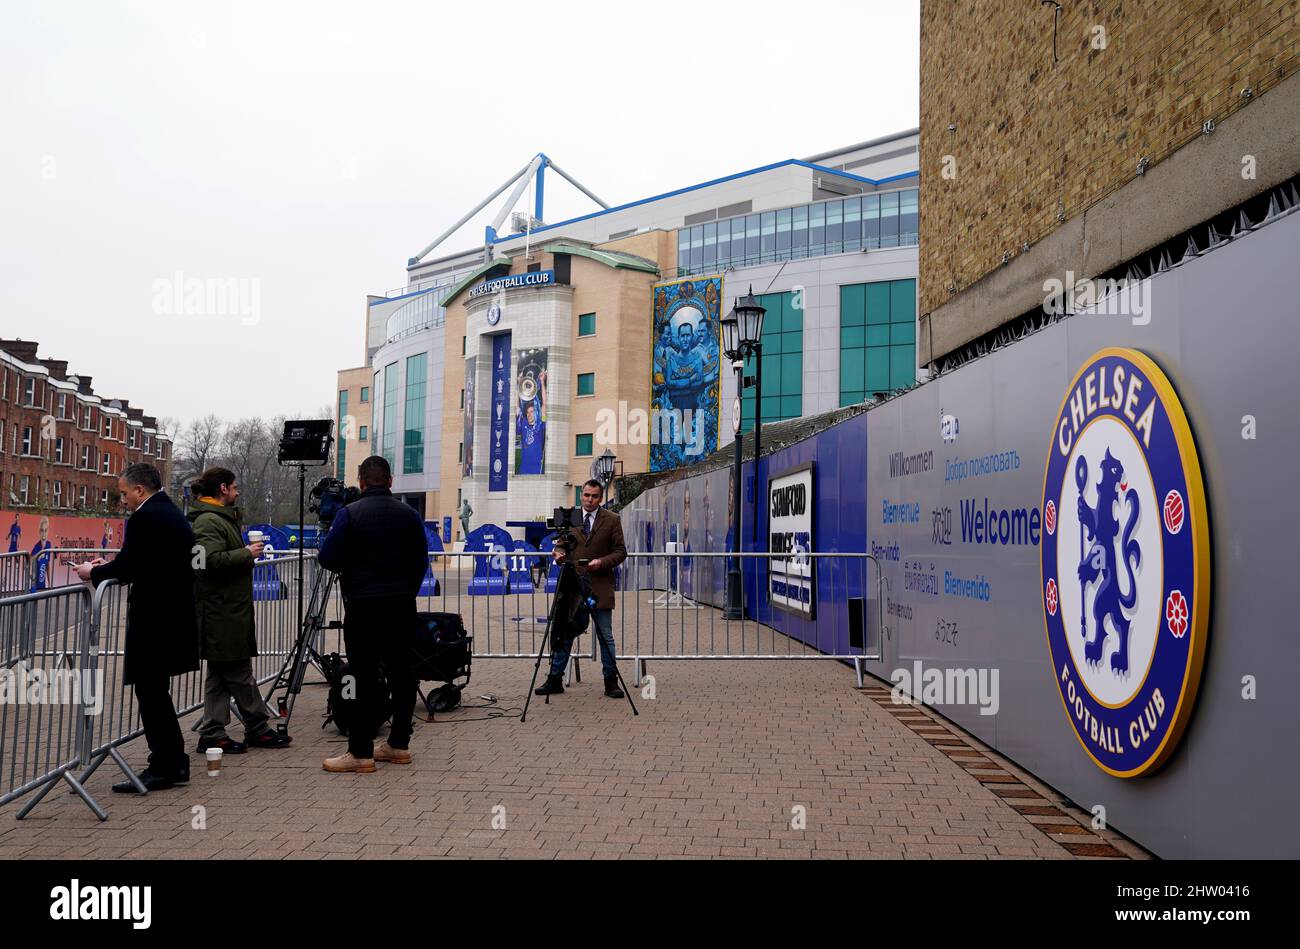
pixel 378 547
pixel 162 636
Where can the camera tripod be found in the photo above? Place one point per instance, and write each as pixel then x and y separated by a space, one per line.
pixel 304 652
pixel 570 573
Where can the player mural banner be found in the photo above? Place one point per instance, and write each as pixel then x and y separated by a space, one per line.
pixel 35 534
pixel 530 413
pixel 467 459
pixel 684 371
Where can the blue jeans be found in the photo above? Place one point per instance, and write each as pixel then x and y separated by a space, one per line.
pixel 603 620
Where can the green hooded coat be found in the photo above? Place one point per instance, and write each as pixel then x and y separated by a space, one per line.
pixel 223 584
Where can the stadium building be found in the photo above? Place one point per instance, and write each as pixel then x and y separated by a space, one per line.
pixel 497 375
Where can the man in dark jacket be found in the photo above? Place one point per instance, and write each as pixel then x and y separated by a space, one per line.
pixel 223 589
pixel 600 548
pixel 161 633
pixel 378 547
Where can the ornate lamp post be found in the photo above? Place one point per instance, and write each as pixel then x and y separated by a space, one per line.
pixel 742 332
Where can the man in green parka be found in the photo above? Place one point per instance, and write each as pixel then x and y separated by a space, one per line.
pixel 223 594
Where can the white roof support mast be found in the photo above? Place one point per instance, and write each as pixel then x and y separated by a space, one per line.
pixel 534 172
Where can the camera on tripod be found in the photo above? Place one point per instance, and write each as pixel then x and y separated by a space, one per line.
pixel 328 497
pixel 564 522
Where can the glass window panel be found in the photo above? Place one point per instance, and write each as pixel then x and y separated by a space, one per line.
pixel 834 227
pixel 751 239
pixel 871 221
pixel 853 305
pixel 902 334
pixel 877 369
pixel 853 369
pixel 852 224
pixel 877 303
pixel 583 445
pixel 783 232
pixel 799 232
pixel 791 406
pixel 586 383
pixel 902 366
pixel 769 235
pixel 902 301
pixel 710 245
pixel 889 220
pixel 817 230
pixel 724 243
pixel 878 335
pixel 907 217
pixel 852 397
pixel 771 407
pixel 587 324
pixel 853 336
pixel 771 371
pixel 792 322
pixel 791 373
pixel 697 248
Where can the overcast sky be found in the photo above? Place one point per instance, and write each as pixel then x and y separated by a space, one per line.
pixel 301 152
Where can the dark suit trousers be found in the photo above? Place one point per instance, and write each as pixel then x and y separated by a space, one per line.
pixel 381 630
pixel 162 730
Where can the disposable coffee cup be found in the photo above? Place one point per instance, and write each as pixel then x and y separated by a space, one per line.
pixel 256 537
pixel 214 762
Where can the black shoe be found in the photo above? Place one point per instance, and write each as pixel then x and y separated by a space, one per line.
pixel 269 740
pixel 151 782
pixel 228 746
pixel 554 685
pixel 611 687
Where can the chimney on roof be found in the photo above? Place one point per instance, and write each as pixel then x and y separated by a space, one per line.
pixel 58 367
pixel 135 415
pixel 20 349
pixel 149 421
pixel 83 385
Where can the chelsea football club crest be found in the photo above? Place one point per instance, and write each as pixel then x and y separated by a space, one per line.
pixel 1125 562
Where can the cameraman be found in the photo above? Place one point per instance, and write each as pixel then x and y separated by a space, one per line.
pixel 378 547
pixel 600 544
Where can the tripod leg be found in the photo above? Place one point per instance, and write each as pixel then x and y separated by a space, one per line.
pixel 546 638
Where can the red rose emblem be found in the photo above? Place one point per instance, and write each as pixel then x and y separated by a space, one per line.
pixel 1176 614
pixel 1052 597
pixel 1049 517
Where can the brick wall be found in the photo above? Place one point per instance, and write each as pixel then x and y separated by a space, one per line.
pixel 1037 143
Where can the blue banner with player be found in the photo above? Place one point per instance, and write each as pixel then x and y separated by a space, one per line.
pixel 684 372
pixel 530 414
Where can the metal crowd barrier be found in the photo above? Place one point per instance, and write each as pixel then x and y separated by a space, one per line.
pixel 671 606
pixel 45 694
pixel 15 573
pixel 82 634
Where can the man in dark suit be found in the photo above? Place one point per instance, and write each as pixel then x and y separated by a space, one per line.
pixel 161 628
pixel 599 550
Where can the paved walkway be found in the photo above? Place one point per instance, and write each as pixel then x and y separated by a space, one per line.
pixel 730 759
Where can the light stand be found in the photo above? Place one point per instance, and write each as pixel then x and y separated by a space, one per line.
pixel 305 444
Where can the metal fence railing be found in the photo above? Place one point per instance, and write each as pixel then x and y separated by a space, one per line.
pixel 670 606
pixel 15 573
pixel 673 606
pixel 76 639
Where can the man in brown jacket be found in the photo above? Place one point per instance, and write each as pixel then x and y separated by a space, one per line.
pixel 600 549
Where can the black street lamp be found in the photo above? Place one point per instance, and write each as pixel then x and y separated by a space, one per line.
pixel 742 331
pixel 604 468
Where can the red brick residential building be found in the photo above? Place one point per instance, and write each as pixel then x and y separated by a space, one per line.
pixel 62 446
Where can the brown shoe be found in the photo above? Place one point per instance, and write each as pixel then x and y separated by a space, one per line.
pixel 392 755
pixel 340 764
